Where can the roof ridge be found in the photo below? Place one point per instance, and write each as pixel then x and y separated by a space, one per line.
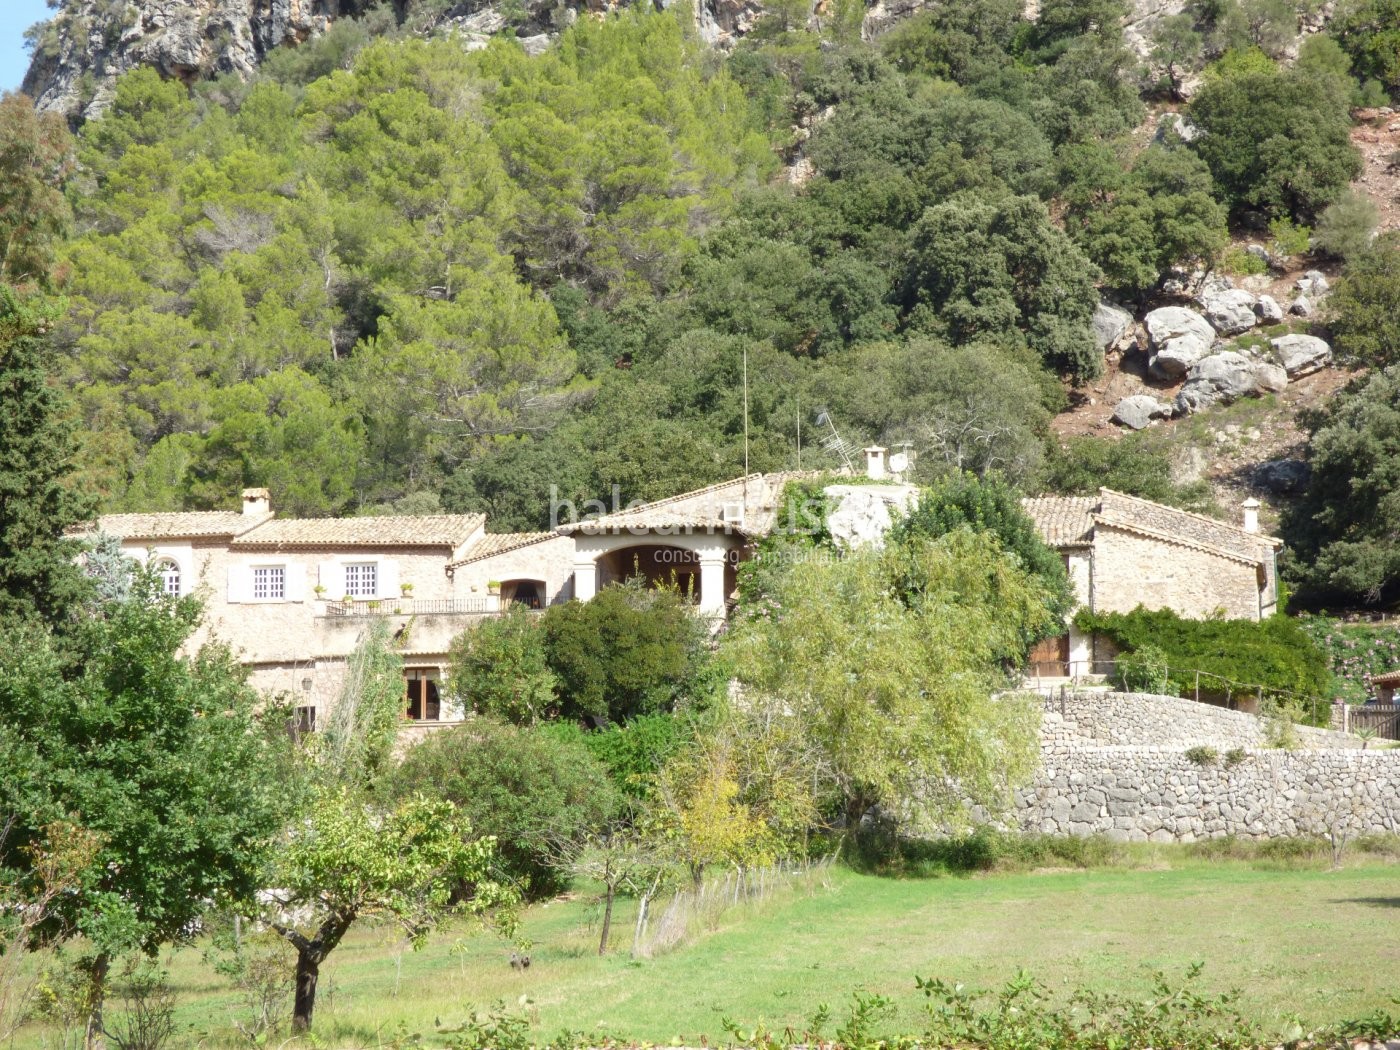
pixel 1178 541
pixel 682 495
pixel 1258 536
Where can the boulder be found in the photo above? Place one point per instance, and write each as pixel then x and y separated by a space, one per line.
pixel 1270 377
pixel 1217 380
pixel 1259 252
pixel 1301 307
pixel 1138 411
pixel 864 513
pixel 1232 311
pixel 1267 309
pixel 1301 354
pixel 1180 337
pixel 1313 283
pixel 1112 326
pixel 1283 476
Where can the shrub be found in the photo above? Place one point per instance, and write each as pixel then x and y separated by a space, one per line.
pixel 1348 225
pixel 1366 304
pixel 1202 755
pixel 1144 670
pixel 1275 653
pixel 537 792
pixel 499 668
pixel 626 652
pixel 632 752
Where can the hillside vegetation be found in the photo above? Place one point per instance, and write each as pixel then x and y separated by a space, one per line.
pixel 390 273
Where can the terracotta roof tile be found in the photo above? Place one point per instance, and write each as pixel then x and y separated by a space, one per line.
pixel 1389 678
pixel 499 543
pixel 176 525
pixel 438 530
pixel 1181 526
pixel 758 492
pixel 1063 521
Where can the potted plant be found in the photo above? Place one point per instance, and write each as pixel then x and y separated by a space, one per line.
pixel 407 588
pixel 373 605
pixel 493 587
pixel 320 592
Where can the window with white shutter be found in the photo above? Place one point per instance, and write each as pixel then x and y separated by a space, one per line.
pixel 362 580
pixel 269 582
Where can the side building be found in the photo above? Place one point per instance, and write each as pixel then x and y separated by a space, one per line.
pixel 1123 552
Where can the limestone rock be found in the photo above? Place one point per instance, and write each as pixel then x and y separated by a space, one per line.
pixel 1180 337
pixel 1283 476
pixel 1267 309
pixel 1217 380
pixel 1112 326
pixel 1270 377
pixel 1138 411
pixel 1301 355
pixel 1313 283
pixel 864 513
pixel 1232 311
pixel 1301 307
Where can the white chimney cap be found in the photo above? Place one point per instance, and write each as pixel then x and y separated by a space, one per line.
pixel 256 502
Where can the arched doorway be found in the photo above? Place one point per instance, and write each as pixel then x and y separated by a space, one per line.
pixel 529 593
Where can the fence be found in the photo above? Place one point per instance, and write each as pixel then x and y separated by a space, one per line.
pixel 1381 719
pixel 1236 695
pixel 360 609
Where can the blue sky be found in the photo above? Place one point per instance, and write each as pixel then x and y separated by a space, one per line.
pixel 15 17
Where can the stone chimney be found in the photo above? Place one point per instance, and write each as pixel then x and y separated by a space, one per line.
pixel 256 503
pixel 875 463
pixel 1251 515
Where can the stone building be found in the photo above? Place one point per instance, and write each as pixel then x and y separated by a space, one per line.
pixel 292 596
pixel 1123 552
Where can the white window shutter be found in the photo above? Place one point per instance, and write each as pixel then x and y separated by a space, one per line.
pixel 296 582
pixel 333 580
pixel 240 584
pixel 388 578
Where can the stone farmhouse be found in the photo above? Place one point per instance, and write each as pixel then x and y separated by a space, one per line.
pixel 292 596
pixel 1122 551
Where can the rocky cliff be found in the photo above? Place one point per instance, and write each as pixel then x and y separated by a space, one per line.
pixel 80 52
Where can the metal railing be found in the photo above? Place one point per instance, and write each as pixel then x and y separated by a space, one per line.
pixel 366 608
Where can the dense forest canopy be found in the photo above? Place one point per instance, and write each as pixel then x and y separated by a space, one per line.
pixel 390 273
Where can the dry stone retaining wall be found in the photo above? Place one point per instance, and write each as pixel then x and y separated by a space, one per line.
pixel 1116 765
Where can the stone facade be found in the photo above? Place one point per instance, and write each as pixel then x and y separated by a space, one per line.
pixel 1131 570
pixel 1116 764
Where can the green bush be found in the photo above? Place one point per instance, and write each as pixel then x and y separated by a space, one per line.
pixel 1275 653
pixel 1144 670
pixel 536 791
pixel 626 652
pixel 633 752
pixel 499 668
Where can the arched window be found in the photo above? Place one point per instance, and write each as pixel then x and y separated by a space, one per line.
pixel 169 572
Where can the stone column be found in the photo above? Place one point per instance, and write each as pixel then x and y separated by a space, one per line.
pixel 712 583
pixel 585 578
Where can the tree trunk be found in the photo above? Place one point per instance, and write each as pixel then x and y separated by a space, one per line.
pixel 95 1038
pixel 308 970
pixel 607 920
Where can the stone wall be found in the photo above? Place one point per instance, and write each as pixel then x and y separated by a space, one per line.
pixel 1096 718
pixel 1140 794
pixel 1115 764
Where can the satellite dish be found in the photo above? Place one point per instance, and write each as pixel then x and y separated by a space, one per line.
pixel 899 463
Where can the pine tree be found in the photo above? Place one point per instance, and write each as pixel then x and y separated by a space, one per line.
pixel 39 576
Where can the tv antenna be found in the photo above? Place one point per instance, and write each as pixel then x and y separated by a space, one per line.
pixel 834 442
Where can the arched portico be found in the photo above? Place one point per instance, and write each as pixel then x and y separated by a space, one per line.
pixel 701 565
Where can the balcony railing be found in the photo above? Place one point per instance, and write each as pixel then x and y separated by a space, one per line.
pixel 366 608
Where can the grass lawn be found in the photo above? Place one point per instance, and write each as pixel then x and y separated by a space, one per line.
pixel 1316 943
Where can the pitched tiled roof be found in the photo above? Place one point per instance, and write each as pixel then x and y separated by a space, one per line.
pixel 755 491
pixel 498 543
pixel 1389 678
pixel 438 530
pixel 1069 521
pixel 1063 521
pixel 177 525
pixel 1157 521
